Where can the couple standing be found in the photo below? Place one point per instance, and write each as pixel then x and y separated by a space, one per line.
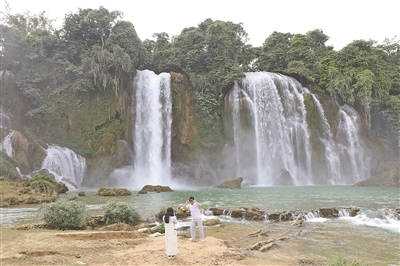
pixel 171 240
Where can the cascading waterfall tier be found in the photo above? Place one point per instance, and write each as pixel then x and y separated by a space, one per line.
pixel 6 144
pixel 67 166
pixel 5 121
pixel 272 139
pixel 151 111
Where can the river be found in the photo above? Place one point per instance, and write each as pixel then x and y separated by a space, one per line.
pixel 373 236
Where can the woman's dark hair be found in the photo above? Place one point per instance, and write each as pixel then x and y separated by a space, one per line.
pixel 168 213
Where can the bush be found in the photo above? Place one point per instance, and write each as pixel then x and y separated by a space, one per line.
pixel 159 229
pixel 43 184
pixel 65 215
pixel 119 212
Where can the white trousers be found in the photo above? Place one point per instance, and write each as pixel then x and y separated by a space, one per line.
pixel 199 224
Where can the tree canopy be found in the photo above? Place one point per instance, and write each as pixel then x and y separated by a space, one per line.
pixel 95 49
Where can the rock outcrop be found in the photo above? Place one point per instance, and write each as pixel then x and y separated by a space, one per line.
pixel 157 189
pixel 284 179
pixel 232 184
pixel 114 192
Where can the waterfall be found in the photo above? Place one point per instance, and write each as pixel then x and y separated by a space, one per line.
pixel 272 139
pixel 151 111
pixel 331 155
pixel 67 166
pixel 6 144
pixel 354 157
pixel 5 121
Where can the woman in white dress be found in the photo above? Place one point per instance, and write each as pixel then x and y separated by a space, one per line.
pixel 171 239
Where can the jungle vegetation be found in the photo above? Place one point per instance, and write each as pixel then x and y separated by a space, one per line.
pixel 95 49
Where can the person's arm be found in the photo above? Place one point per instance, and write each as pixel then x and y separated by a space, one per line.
pixel 185 205
pixel 198 203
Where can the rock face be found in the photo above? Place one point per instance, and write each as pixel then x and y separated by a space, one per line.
pixel 232 184
pixel 114 192
pixel 388 175
pixel 284 179
pixel 201 132
pixel 157 189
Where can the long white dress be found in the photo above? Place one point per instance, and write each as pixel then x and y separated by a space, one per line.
pixel 171 238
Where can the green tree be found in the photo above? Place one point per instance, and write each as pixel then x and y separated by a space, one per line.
pixel 210 53
pixel 273 56
pixel 358 76
pixel 102 22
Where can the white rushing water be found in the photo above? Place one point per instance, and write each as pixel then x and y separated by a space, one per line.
pixel 67 166
pixel 152 118
pixel 272 140
pixel 5 121
pixel 6 144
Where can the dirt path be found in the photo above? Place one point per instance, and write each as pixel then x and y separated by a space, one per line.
pixel 224 245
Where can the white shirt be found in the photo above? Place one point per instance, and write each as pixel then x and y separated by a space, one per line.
pixel 194 210
pixel 172 219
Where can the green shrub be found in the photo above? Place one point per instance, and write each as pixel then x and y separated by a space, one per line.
pixel 65 215
pixel 159 229
pixel 42 183
pixel 119 212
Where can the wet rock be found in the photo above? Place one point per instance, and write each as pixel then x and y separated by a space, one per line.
pixel 157 189
pixel 237 213
pixel 254 215
pixel 114 192
pixel 216 211
pixel 284 179
pixel 231 184
pixel 328 212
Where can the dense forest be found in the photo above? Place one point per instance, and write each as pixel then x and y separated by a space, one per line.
pixel 95 49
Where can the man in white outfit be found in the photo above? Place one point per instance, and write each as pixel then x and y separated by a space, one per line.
pixel 193 206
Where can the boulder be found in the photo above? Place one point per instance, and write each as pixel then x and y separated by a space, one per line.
pixel 157 189
pixel 212 221
pixel 231 184
pixel 60 187
pixel 329 212
pixel 216 211
pixel 114 192
pixel 284 179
